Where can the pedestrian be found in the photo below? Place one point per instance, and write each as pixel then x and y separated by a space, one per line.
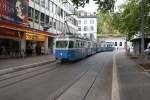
pixel 4 52
pixel 42 50
pixel 37 49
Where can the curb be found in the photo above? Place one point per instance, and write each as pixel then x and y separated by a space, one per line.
pixel 145 70
pixel 19 68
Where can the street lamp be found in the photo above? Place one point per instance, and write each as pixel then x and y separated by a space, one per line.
pixel 142 27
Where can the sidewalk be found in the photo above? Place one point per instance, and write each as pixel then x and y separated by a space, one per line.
pixel 143 62
pixel 134 84
pixel 24 62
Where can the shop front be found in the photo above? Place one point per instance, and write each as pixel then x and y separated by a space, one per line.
pixel 18 40
pixel 10 42
pixel 36 43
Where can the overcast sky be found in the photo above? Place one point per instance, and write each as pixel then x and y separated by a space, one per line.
pixel 92 7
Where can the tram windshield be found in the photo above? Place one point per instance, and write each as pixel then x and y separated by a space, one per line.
pixel 61 44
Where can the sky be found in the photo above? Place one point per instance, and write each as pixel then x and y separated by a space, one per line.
pixel 92 7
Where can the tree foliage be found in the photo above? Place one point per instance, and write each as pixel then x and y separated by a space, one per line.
pixel 105 5
pixel 105 25
pixel 128 20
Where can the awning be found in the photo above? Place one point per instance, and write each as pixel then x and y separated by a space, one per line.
pixel 17 27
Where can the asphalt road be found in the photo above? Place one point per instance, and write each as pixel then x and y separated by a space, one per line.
pixel 53 80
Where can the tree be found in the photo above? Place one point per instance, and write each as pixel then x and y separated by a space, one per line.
pixel 106 25
pixel 127 21
pixel 147 18
pixel 105 5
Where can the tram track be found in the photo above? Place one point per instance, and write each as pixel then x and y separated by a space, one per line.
pixel 20 76
pixel 99 71
pixel 22 72
pixel 16 77
pixel 8 79
pixel 60 92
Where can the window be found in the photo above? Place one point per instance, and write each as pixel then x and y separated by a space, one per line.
pixel 79 22
pixel 30 13
pixel 37 1
pixel 82 44
pixel 91 36
pixel 85 35
pixel 58 11
pixel 92 21
pixel 42 18
pixel 51 6
pixel 47 4
pixel 85 21
pixel 92 28
pixel 54 8
pixel 54 23
pixel 120 44
pixel 61 44
pixel 79 28
pixel 43 3
pixel 57 25
pixel 37 16
pixel 70 44
pixel 115 43
pixel 51 22
pixel 61 13
pixel 89 44
pixel 47 19
pixel 85 28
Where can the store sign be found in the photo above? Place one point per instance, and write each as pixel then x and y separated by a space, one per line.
pixel 35 37
pixel 5 32
pixel 14 11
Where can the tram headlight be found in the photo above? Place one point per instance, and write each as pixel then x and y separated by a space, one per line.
pixel 61 54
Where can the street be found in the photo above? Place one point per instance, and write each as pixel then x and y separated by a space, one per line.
pixel 74 50
pixel 87 79
pixel 42 83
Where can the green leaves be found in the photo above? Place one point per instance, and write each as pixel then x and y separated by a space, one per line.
pixel 79 3
pixel 106 24
pixel 104 5
pixel 130 18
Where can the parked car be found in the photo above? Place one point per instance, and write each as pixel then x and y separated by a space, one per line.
pixel 147 51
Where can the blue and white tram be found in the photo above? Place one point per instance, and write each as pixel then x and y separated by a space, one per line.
pixel 70 48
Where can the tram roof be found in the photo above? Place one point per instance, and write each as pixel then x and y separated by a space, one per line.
pixel 72 37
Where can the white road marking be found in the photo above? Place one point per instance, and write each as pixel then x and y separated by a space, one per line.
pixel 115 88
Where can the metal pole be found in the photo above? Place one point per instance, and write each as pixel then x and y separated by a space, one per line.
pixel 142 27
pixel 34 14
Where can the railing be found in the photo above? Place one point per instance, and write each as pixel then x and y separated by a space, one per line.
pixel 15 53
pixel 9 53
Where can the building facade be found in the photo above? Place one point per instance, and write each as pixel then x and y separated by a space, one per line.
pixel 28 25
pixel 87 24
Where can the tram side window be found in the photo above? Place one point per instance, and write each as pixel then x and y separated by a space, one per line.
pixel 61 44
pixel 89 44
pixel 77 44
pixel 70 44
pixel 82 44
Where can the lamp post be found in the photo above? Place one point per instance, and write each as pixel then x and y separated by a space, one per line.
pixel 142 27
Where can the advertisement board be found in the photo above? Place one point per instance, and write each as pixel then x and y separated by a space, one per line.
pixel 14 10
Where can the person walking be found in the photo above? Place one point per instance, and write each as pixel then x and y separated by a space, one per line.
pixel 42 50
